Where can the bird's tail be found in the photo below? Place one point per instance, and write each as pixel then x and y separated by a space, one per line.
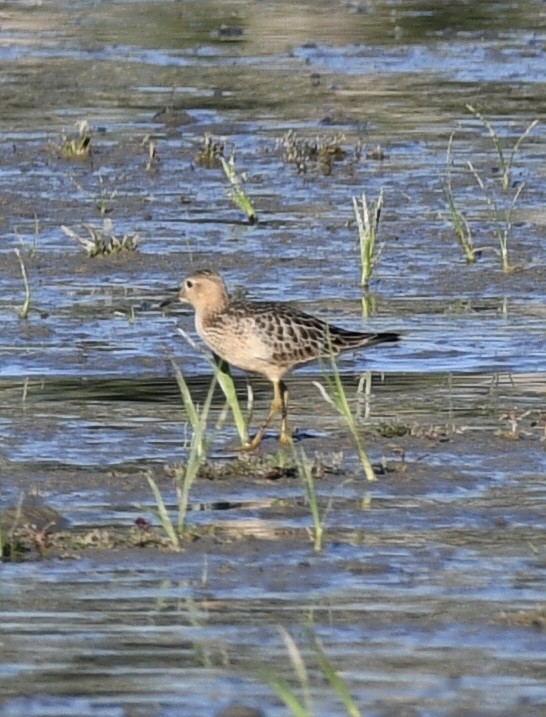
pixel 343 340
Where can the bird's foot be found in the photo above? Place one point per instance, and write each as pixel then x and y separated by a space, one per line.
pixel 285 439
pixel 253 444
pixel 247 447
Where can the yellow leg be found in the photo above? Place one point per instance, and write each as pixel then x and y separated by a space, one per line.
pixel 278 405
pixel 286 433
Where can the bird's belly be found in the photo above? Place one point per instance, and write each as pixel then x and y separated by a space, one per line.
pixel 245 357
pixel 243 350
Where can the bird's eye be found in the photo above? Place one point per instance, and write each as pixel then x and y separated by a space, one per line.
pixel 189 284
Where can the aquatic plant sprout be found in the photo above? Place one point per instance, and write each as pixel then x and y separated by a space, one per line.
pixel 237 192
pixel 502 218
pixel 460 224
pixel 306 472
pixel 335 395
pixel 185 476
pixel 499 210
pixel 367 220
pixel 222 374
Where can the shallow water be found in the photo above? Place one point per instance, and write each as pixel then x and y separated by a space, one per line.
pixel 428 597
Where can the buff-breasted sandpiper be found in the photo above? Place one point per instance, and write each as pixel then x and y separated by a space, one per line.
pixel 265 338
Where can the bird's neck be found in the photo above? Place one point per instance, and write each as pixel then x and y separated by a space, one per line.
pixel 210 313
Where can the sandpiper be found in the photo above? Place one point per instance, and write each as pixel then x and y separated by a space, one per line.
pixel 265 338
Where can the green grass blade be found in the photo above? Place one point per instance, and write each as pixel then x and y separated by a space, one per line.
pixel 187 400
pixel 163 514
pixel 304 469
pixel 238 194
pixel 525 134
pixel 196 457
pixel 506 165
pixel 299 666
pixel 367 220
pixel 336 396
pixel 495 137
pixel 337 683
pixel 287 695
pixel 225 379
pixel 460 225
pixel 223 375
pixel 342 405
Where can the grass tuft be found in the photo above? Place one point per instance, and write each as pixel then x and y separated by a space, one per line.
pixel 236 192
pixel 184 476
pixel 499 208
pixel 367 219
pixel 502 218
pixel 76 148
pixel 102 241
pixel 309 471
pixel 211 152
pixel 320 152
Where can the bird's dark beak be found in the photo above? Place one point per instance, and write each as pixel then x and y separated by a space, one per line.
pixel 171 299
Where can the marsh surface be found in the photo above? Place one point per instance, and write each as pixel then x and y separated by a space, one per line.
pixel 428 597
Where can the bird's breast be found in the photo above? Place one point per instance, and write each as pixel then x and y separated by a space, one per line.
pixel 238 340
